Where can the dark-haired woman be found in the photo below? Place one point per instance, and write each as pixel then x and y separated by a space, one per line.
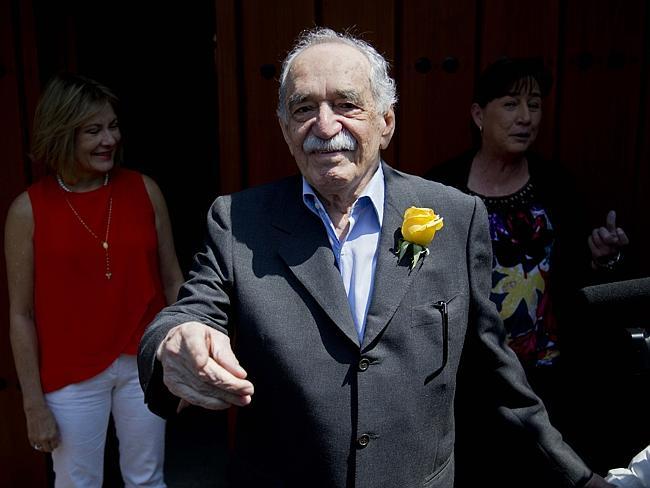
pixel 536 236
pixel 90 261
pixel 540 253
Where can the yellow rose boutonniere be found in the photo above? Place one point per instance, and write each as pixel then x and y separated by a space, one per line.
pixel 418 229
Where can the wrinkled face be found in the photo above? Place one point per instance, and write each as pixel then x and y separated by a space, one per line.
pixel 333 130
pixel 96 142
pixel 510 123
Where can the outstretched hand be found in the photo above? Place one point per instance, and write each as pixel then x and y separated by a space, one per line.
pixel 200 367
pixel 608 240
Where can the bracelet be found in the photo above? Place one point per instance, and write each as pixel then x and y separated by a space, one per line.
pixel 608 262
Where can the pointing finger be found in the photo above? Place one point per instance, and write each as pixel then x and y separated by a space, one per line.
pixel 611 221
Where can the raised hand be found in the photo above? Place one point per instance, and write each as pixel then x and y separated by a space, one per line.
pixel 606 242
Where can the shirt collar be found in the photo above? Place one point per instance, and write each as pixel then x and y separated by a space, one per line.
pixel 374 191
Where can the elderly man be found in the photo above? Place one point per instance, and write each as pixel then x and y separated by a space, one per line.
pixel 347 325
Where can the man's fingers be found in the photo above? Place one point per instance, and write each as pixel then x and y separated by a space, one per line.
pixel 221 368
pixel 194 345
pixel 211 381
pixel 206 378
pixel 216 375
pixel 213 399
pixel 188 346
pixel 200 367
pixel 222 353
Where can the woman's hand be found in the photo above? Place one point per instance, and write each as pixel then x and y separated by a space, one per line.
pixel 606 242
pixel 42 431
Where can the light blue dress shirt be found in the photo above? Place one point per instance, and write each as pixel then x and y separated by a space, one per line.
pixel 356 253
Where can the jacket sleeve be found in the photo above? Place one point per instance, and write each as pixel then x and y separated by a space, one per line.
pixel 514 399
pixel 205 298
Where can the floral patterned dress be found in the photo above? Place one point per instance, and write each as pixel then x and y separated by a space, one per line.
pixel 522 240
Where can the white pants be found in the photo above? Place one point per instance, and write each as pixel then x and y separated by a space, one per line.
pixel 82 411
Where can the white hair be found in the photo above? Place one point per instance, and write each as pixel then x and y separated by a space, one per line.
pixel 383 87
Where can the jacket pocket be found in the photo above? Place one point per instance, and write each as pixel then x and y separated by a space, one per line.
pixel 430 327
pixel 443 477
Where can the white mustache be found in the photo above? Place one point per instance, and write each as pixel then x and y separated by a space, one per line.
pixel 343 141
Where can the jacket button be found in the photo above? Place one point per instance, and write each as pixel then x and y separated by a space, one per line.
pixel 363 441
pixel 363 364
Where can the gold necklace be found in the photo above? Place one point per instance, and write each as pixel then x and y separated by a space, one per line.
pixel 104 242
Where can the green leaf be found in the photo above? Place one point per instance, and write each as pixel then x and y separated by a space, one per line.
pixel 419 251
pixel 416 251
pixel 403 248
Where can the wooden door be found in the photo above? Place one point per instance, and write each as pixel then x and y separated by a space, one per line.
pixel 21 465
pixel 435 79
pixel 599 122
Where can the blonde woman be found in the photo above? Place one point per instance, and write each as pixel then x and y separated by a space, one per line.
pixel 90 261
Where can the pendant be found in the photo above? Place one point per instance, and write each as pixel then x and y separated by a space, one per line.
pixel 105 244
pixel 108 275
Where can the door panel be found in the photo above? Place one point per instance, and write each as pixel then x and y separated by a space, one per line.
pixel 599 111
pixel 26 466
pixel 267 32
pixel 436 66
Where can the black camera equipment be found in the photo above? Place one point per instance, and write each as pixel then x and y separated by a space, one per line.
pixel 623 306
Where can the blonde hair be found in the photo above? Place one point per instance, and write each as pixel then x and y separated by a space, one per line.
pixel 66 104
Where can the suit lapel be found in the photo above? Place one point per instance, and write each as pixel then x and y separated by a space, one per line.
pixel 307 252
pixel 392 279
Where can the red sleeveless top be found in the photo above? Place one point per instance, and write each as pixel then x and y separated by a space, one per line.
pixel 85 321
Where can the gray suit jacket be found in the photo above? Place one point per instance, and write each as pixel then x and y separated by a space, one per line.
pixel 328 411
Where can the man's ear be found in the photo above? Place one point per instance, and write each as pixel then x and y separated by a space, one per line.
pixel 285 133
pixel 389 128
pixel 477 115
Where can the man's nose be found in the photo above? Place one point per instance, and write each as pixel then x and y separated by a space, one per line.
pixel 326 124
